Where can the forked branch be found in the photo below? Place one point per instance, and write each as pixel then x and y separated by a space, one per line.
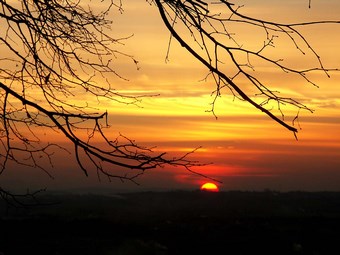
pixel 57 53
pixel 204 32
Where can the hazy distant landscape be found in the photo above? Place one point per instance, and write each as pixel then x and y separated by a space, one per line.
pixel 177 222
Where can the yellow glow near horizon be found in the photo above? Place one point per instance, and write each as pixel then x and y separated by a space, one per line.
pixel 242 143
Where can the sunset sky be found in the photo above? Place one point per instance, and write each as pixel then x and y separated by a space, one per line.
pixel 243 148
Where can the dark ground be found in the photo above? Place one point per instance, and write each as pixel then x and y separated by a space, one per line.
pixel 176 222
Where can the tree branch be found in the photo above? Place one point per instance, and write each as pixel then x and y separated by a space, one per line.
pixel 205 35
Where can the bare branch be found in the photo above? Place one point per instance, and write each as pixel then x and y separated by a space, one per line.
pixel 27 199
pixel 211 43
pixel 56 53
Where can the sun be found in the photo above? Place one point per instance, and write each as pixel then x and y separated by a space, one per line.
pixel 209 186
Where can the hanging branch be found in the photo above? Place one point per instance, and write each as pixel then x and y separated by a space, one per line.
pixel 58 52
pixel 211 43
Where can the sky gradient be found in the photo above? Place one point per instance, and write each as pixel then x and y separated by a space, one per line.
pixel 243 148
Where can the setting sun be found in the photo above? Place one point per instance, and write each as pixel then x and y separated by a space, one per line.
pixel 208 186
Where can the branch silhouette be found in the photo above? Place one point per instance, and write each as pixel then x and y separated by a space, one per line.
pixel 204 32
pixel 57 52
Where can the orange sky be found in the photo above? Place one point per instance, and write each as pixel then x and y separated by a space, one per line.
pixel 248 151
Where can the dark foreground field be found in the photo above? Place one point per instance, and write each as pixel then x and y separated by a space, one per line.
pixel 176 223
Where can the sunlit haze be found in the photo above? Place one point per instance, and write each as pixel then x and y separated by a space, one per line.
pixel 242 148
